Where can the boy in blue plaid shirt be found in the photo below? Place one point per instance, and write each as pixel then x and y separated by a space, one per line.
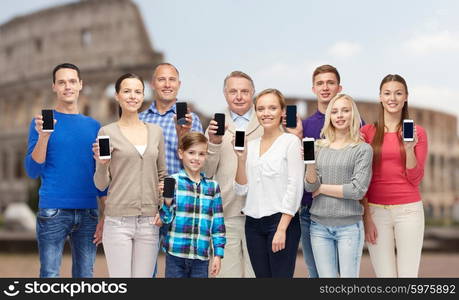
pixel 195 214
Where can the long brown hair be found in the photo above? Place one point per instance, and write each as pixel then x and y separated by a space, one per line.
pixel 378 139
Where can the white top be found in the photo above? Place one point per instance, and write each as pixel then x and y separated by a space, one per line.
pixel 141 148
pixel 274 180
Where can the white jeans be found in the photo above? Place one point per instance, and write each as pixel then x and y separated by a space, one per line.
pixel 399 227
pixel 131 246
pixel 236 262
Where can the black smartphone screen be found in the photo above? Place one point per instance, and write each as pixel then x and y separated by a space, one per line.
pixel 181 112
pixel 104 147
pixel 220 118
pixel 169 187
pixel 48 119
pixel 308 150
pixel 291 116
pixel 240 137
pixel 408 130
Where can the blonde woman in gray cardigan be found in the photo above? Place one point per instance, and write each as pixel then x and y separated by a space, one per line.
pixel 338 180
pixel 129 227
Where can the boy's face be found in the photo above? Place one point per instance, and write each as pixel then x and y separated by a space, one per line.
pixel 326 86
pixel 193 158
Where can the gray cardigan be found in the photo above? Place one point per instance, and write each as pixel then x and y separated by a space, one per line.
pixel 350 167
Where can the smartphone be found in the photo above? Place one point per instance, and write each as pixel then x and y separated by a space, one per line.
pixel 48 120
pixel 220 118
pixel 182 110
pixel 291 116
pixel 308 150
pixel 239 140
pixel 169 187
pixel 408 130
pixel 104 147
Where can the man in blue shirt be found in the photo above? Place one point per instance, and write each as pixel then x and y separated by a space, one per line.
pixel 63 160
pixel 166 84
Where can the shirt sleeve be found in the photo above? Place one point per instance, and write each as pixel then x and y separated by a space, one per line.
pixel 361 176
pixel 218 229
pixel 416 174
pixel 295 174
pixel 33 169
pixel 213 158
pixel 167 213
pixel 196 123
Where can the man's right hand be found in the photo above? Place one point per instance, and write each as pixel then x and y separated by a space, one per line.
pixel 212 130
pixel 39 126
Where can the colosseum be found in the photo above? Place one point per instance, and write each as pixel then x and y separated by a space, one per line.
pixel 106 38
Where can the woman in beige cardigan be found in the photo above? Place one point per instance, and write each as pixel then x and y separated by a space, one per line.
pixel 128 227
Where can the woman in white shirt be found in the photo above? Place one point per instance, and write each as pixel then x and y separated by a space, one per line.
pixel 270 171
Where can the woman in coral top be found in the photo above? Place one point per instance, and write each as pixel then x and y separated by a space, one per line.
pixel 394 215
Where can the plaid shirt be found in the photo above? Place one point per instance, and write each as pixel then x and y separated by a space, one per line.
pixel 166 122
pixel 196 217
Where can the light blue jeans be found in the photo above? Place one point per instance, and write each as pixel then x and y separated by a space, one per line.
pixel 54 226
pixel 337 249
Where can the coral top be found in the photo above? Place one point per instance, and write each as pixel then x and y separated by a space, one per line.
pixel 392 183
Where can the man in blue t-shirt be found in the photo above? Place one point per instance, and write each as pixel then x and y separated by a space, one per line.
pixel 63 159
pixel 325 85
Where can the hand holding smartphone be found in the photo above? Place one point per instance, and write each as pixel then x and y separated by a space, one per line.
pixel 48 120
pixel 104 147
pixel 291 116
pixel 308 151
pixel 182 110
pixel 220 119
pixel 408 130
pixel 239 141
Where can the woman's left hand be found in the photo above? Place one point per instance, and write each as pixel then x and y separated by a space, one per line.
pixel 278 240
pixel 316 192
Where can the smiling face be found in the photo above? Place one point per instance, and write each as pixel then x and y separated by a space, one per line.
pixel 326 86
pixel 67 85
pixel 194 157
pixel 269 111
pixel 165 83
pixel 341 114
pixel 130 95
pixel 393 96
pixel 239 95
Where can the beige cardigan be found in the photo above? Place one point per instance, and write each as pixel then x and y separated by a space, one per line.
pixel 221 164
pixel 132 178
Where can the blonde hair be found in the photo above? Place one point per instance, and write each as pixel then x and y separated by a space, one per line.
pixel 328 135
pixel 275 92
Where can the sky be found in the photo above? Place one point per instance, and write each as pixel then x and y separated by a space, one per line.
pixel 280 43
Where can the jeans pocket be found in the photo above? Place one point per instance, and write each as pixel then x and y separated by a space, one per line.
pixel 47 213
pixel 114 221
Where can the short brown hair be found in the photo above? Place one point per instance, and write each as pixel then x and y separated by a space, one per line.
pixel 275 92
pixel 239 74
pixel 326 69
pixel 190 139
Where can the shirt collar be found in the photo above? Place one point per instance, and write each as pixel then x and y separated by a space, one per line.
pixel 182 173
pixel 246 116
pixel 319 115
pixel 154 110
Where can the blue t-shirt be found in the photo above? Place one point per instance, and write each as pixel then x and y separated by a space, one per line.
pixel 68 171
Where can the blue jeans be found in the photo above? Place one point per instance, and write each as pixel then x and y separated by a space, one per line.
pixel 308 256
pixel 337 249
pixel 178 267
pixel 53 228
pixel 259 235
